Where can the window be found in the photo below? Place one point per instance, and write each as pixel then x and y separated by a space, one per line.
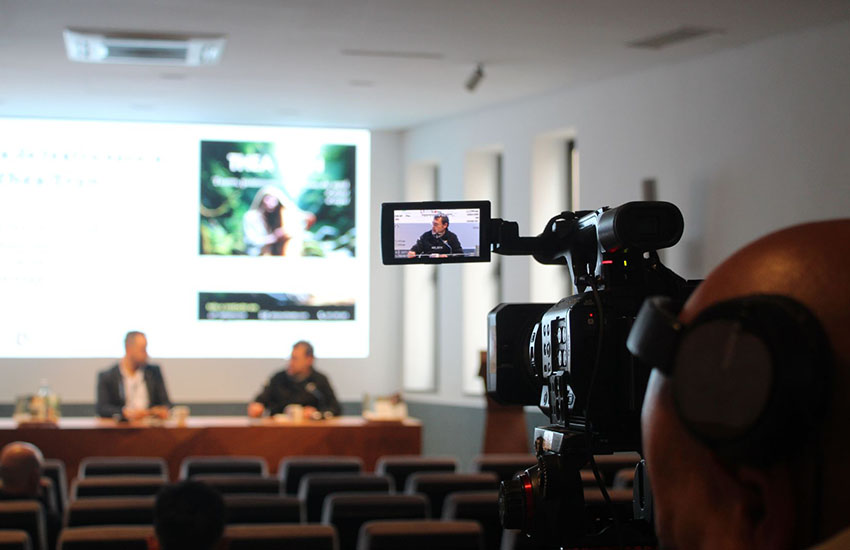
pixel 420 299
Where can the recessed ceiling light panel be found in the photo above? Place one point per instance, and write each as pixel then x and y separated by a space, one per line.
pixel 138 48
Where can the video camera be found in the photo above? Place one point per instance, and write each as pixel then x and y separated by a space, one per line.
pixel 570 358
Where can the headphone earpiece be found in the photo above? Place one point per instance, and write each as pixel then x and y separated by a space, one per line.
pixel 749 376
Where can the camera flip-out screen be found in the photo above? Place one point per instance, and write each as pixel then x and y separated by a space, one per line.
pixel 435 232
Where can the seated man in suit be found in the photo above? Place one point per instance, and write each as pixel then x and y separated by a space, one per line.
pixel 132 389
pixel 299 384
pixel 20 474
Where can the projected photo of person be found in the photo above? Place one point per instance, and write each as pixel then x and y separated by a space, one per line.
pixel 265 199
pixel 438 241
pixel 274 225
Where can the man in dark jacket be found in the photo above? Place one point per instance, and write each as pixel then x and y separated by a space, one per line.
pixel 299 384
pixel 132 389
pixel 438 241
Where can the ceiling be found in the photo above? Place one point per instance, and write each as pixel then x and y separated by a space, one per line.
pixel 379 64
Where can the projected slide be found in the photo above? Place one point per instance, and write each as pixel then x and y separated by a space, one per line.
pixel 217 241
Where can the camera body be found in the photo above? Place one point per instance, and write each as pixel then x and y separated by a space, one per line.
pixel 570 359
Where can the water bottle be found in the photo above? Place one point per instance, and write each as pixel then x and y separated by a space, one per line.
pixel 41 401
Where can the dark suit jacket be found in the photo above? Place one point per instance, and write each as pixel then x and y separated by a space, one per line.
pixel 110 390
pixel 313 391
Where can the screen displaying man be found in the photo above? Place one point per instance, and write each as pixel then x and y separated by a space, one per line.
pixel 439 241
pixel 299 384
pixel 763 462
pixel 132 389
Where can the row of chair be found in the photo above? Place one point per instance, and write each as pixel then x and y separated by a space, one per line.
pixel 313 489
pixel 375 535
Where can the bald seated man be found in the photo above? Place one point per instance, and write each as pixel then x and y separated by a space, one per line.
pixel 796 495
pixel 20 472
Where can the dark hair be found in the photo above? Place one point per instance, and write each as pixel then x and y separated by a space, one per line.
pixel 188 515
pixel 308 347
pixel 131 335
pixel 443 218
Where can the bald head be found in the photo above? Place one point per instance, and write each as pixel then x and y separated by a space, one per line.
pixel 811 264
pixel 20 468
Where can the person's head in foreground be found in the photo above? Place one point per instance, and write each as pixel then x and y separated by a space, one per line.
pixel 745 436
pixel 20 469
pixel 188 515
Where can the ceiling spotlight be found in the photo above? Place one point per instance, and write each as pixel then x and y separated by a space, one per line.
pixel 475 78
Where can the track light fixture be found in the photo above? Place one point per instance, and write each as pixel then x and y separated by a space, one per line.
pixel 475 78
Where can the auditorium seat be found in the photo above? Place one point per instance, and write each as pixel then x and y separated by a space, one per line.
pixel 48 489
pixel 504 465
pixel 622 500
pixel 349 511
pixel 589 480
pixel 315 487
pixel 480 506
pixel 14 539
pixel 195 465
pixel 263 509
pixel 54 468
pixel 280 537
pixel 110 511
pixel 26 515
pixel 116 486
pixel 241 484
pixel 624 479
pixel 113 537
pixel 436 485
pixel 399 467
pixel 291 469
pixel 97 466
pixel 420 535
pixel 513 539
pixel 608 465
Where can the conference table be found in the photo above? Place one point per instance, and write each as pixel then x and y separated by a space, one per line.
pixel 72 439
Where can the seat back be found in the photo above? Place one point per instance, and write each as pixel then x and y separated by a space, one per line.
pixel 262 509
pixel 195 465
pixel 505 465
pixel 280 537
pixel 97 466
pixel 114 537
pixel 85 512
pixel 291 469
pixel 480 506
pixel 54 468
pixel 25 515
pixel 420 535
pixel 608 465
pixel 437 485
pixel 14 539
pixel 241 484
pixel 117 486
pixel 315 487
pixel 624 479
pixel 349 511
pixel 399 467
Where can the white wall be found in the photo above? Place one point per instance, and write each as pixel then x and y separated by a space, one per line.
pixel 744 142
pixel 235 380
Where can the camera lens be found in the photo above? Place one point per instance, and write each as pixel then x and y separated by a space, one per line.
pixel 512 502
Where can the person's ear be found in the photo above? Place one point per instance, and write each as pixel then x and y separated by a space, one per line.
pixel 769 504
